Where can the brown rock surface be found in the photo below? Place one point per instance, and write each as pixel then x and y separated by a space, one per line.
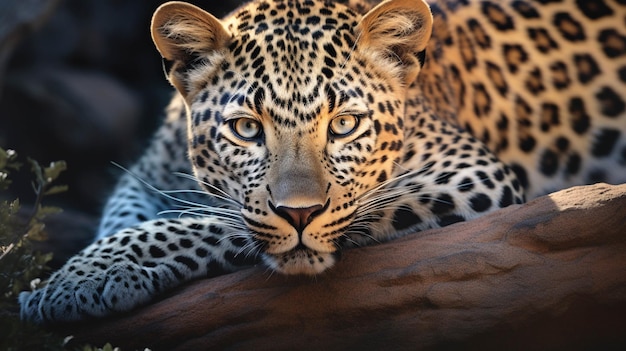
pixel 548 274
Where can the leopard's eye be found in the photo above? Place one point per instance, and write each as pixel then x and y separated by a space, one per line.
pixel 246 128
pixel 343 125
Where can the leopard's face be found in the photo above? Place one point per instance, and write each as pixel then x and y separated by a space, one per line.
pixel 295 118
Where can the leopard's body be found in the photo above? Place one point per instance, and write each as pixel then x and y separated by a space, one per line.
pixel 311 127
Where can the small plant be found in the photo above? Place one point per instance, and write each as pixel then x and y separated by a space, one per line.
pixel 20 266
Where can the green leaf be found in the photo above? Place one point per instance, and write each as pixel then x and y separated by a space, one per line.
pixel 36 232
pixel 56 189
pixel 52 172
pixel 7 159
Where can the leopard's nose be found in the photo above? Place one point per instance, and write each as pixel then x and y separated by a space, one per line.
pixel 299 218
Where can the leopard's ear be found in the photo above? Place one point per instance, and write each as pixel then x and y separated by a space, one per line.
pixel 397 32
pixel 185 34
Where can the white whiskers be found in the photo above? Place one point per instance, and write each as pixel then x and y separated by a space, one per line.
pixel 226 210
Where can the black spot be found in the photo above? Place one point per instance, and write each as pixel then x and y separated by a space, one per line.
pixel 503 122
pixel 480 202
pixel 572 166
pixel 560 77
pixel 497 78
pixel 313 20
pixel 587 67
pixel 124 240
pixel 499 175
pixel 507 197
pixel 442 204
pixel 238 241
pixel 160 236
pixel 496 15
pixel 444 178
pixel 482 100
pixel 186 243
pixel 521 174
pixel 543 41
pixel 330 50
pixel 466 49
pixel 562 144
pixel 259 18
pixel 613 43
pixel 449 219
pixel 421 57
pixel 549 163
pixel 534 82
pixel 480 36
pixel 328 73
pixel 525 9
pixel 175 271
pixel 201 252
pixel 190 263
pixel 382 176
pixel 612 105
pixel 527 143
pixel 404 218
pixel 484 178
pixel 622 74
pixel 465 185
pixel 156 252
pixel 137 250
pixel 329 62
pixel 594 9
pixel 569 28
pixel 514 55
pixel 605 142
pixel 211 240
pixel 579 118
pixel 408 155
pixel 549 116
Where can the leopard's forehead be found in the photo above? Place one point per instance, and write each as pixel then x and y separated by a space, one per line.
pixel 291 18
pixel 292 48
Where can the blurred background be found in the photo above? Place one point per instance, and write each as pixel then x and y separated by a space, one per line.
pixel 80 81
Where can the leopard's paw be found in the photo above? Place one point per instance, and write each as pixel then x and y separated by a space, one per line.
pixel 75 295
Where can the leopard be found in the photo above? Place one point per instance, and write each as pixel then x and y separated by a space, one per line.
pixel 303 128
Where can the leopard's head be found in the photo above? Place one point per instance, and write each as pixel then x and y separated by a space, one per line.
pixel 295 110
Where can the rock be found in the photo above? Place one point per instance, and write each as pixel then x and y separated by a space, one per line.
pixel 548 274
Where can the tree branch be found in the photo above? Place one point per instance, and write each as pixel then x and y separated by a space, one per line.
pixel 551 273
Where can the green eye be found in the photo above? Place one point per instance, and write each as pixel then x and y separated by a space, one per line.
pixel 343 125
pixel 246 128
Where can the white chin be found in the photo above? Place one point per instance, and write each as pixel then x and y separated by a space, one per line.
pixel 296 262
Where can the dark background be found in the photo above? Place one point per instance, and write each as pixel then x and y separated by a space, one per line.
pixel 80 81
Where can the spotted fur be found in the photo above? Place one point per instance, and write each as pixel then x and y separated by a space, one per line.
pixel 301 128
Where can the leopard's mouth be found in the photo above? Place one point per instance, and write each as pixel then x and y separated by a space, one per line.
pixel 302 260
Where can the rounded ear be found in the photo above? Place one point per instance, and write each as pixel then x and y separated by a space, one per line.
pixel 182 31
pixel 398 31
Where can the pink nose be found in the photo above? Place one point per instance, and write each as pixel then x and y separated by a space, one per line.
pixel 298 217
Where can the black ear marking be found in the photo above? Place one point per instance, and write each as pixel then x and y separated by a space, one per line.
pixel 421 57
